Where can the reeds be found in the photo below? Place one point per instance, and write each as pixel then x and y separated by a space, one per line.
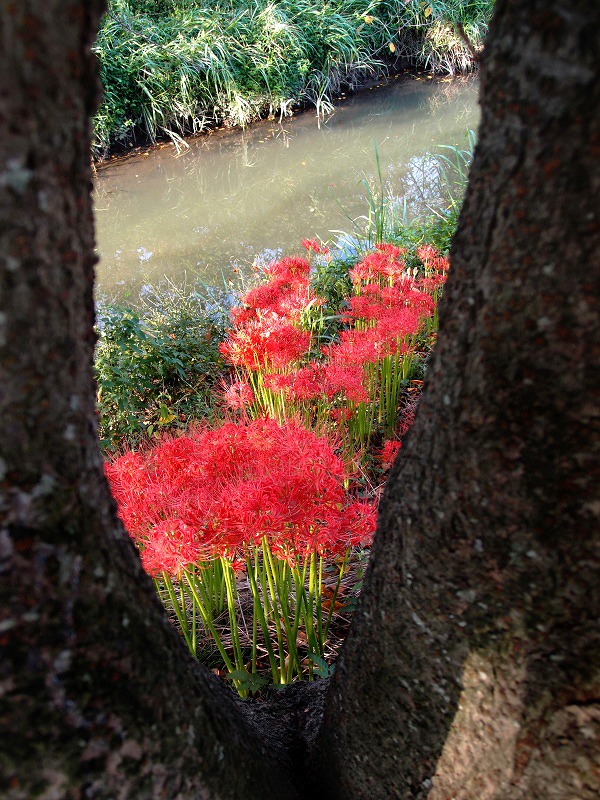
pixel 172 68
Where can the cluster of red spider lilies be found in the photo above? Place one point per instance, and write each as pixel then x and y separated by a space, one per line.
pixel 249 526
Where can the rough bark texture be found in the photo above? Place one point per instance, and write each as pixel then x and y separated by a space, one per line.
pixel 472 669
pixel 98 697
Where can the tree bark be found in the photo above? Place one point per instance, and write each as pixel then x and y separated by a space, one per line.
pixel 472 668
pixel 98 697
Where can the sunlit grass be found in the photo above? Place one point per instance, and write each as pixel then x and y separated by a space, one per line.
pixel 174 67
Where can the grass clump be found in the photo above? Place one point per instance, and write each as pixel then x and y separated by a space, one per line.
pixel 426 214
pixel 173 67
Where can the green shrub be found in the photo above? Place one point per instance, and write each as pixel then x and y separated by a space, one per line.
pixel 156 371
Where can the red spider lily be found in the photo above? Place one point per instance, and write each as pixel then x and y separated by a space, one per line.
pixel 288 267
pixel 307 382
pixel 347 380
pixel 269 344
pixel 388 453
pixel 170 546
pixel 359 520
pixel 286 294
pixel 431 258
pixel 222 490
pixel 142 498
pixel 301 384
pixel 385 265
pixel 393 329
pixel 361 347
pixel 340 415
pixel 276 297
pixel 266 336
pixel 238 395
pixel 420 301
pixel 432 282
pixel 391 303
pixel 355 348
pixel 427 252
pixel 313 246
pixel 277 382
pixel 391 250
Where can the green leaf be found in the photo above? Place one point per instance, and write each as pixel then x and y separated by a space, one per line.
pixel 321 668
pixel 165 415
pixel 247 680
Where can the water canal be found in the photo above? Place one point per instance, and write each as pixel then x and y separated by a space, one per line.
pixel 235 196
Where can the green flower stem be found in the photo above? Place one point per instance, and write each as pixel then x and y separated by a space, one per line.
pixel 312 618
pixel 194 629
pixel 298 583
pixel 291 629
pixel 231 598
pixel 254 637
pixel 180 612
pixel 206 620
pixel 276 611
pixel 335 594
pixel 319 607
pixel 253 571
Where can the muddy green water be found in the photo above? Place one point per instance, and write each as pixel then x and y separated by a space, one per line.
pixel 236 196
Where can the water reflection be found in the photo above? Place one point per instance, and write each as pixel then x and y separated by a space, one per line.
pixel 234 194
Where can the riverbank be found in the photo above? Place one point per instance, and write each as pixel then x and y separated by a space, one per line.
pixel 171 68
pixel 160 367
pixel 142 143
pixel 235 197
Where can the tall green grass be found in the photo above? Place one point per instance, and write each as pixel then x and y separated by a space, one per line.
pixel 411 219
pixel 171 67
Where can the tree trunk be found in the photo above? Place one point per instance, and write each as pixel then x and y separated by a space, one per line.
pixel 98 697
pixel 472 668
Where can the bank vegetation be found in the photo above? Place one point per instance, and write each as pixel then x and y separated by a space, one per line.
pixel 178 67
